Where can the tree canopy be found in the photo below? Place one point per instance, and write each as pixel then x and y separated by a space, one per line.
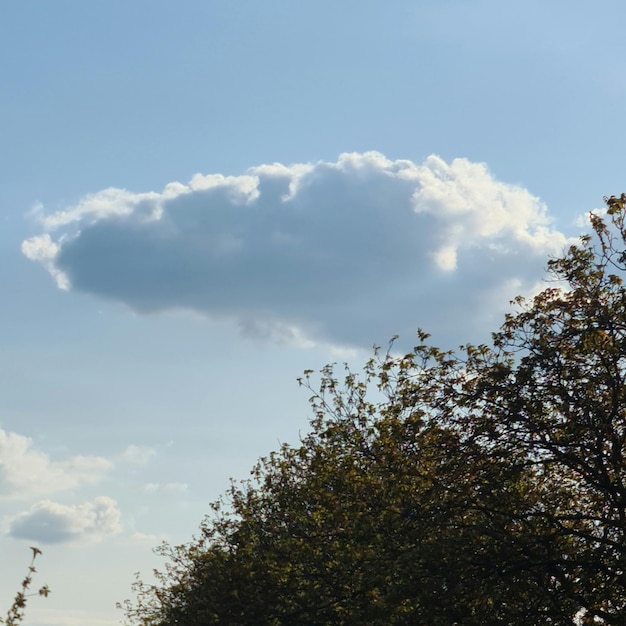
pixel 482 486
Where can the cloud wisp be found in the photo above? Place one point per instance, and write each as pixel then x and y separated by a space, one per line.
pixel 348 252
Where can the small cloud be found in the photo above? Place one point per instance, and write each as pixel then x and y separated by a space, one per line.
pixel 137 455
pixel 148 538
pixel 26 471
pixel 49 522
pixel 167 487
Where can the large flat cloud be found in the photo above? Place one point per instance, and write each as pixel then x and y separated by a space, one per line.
pixel 350 252
pixel 50 522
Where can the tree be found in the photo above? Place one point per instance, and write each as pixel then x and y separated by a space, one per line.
pixel 481 487
pixel 564 405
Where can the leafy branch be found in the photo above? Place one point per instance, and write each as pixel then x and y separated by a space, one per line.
pixel 15 614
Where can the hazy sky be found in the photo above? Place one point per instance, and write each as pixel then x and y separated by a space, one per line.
pixel 201 199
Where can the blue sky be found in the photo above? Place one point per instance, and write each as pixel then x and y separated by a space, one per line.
pixel 199 200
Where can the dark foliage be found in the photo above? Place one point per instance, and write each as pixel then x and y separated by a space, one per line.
pixel 485 487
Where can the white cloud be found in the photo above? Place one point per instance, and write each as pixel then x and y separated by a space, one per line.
pixel 26 471
pixel 149 538
pixel 43 250
pixel 104 204
pixel 137 455
pixel 348 252
pixel 167 487
pixel 49 522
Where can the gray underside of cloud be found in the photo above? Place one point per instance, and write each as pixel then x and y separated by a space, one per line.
pixel 49 522
pixel 349 253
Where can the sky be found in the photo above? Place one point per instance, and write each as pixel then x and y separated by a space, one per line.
pixel 199 200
